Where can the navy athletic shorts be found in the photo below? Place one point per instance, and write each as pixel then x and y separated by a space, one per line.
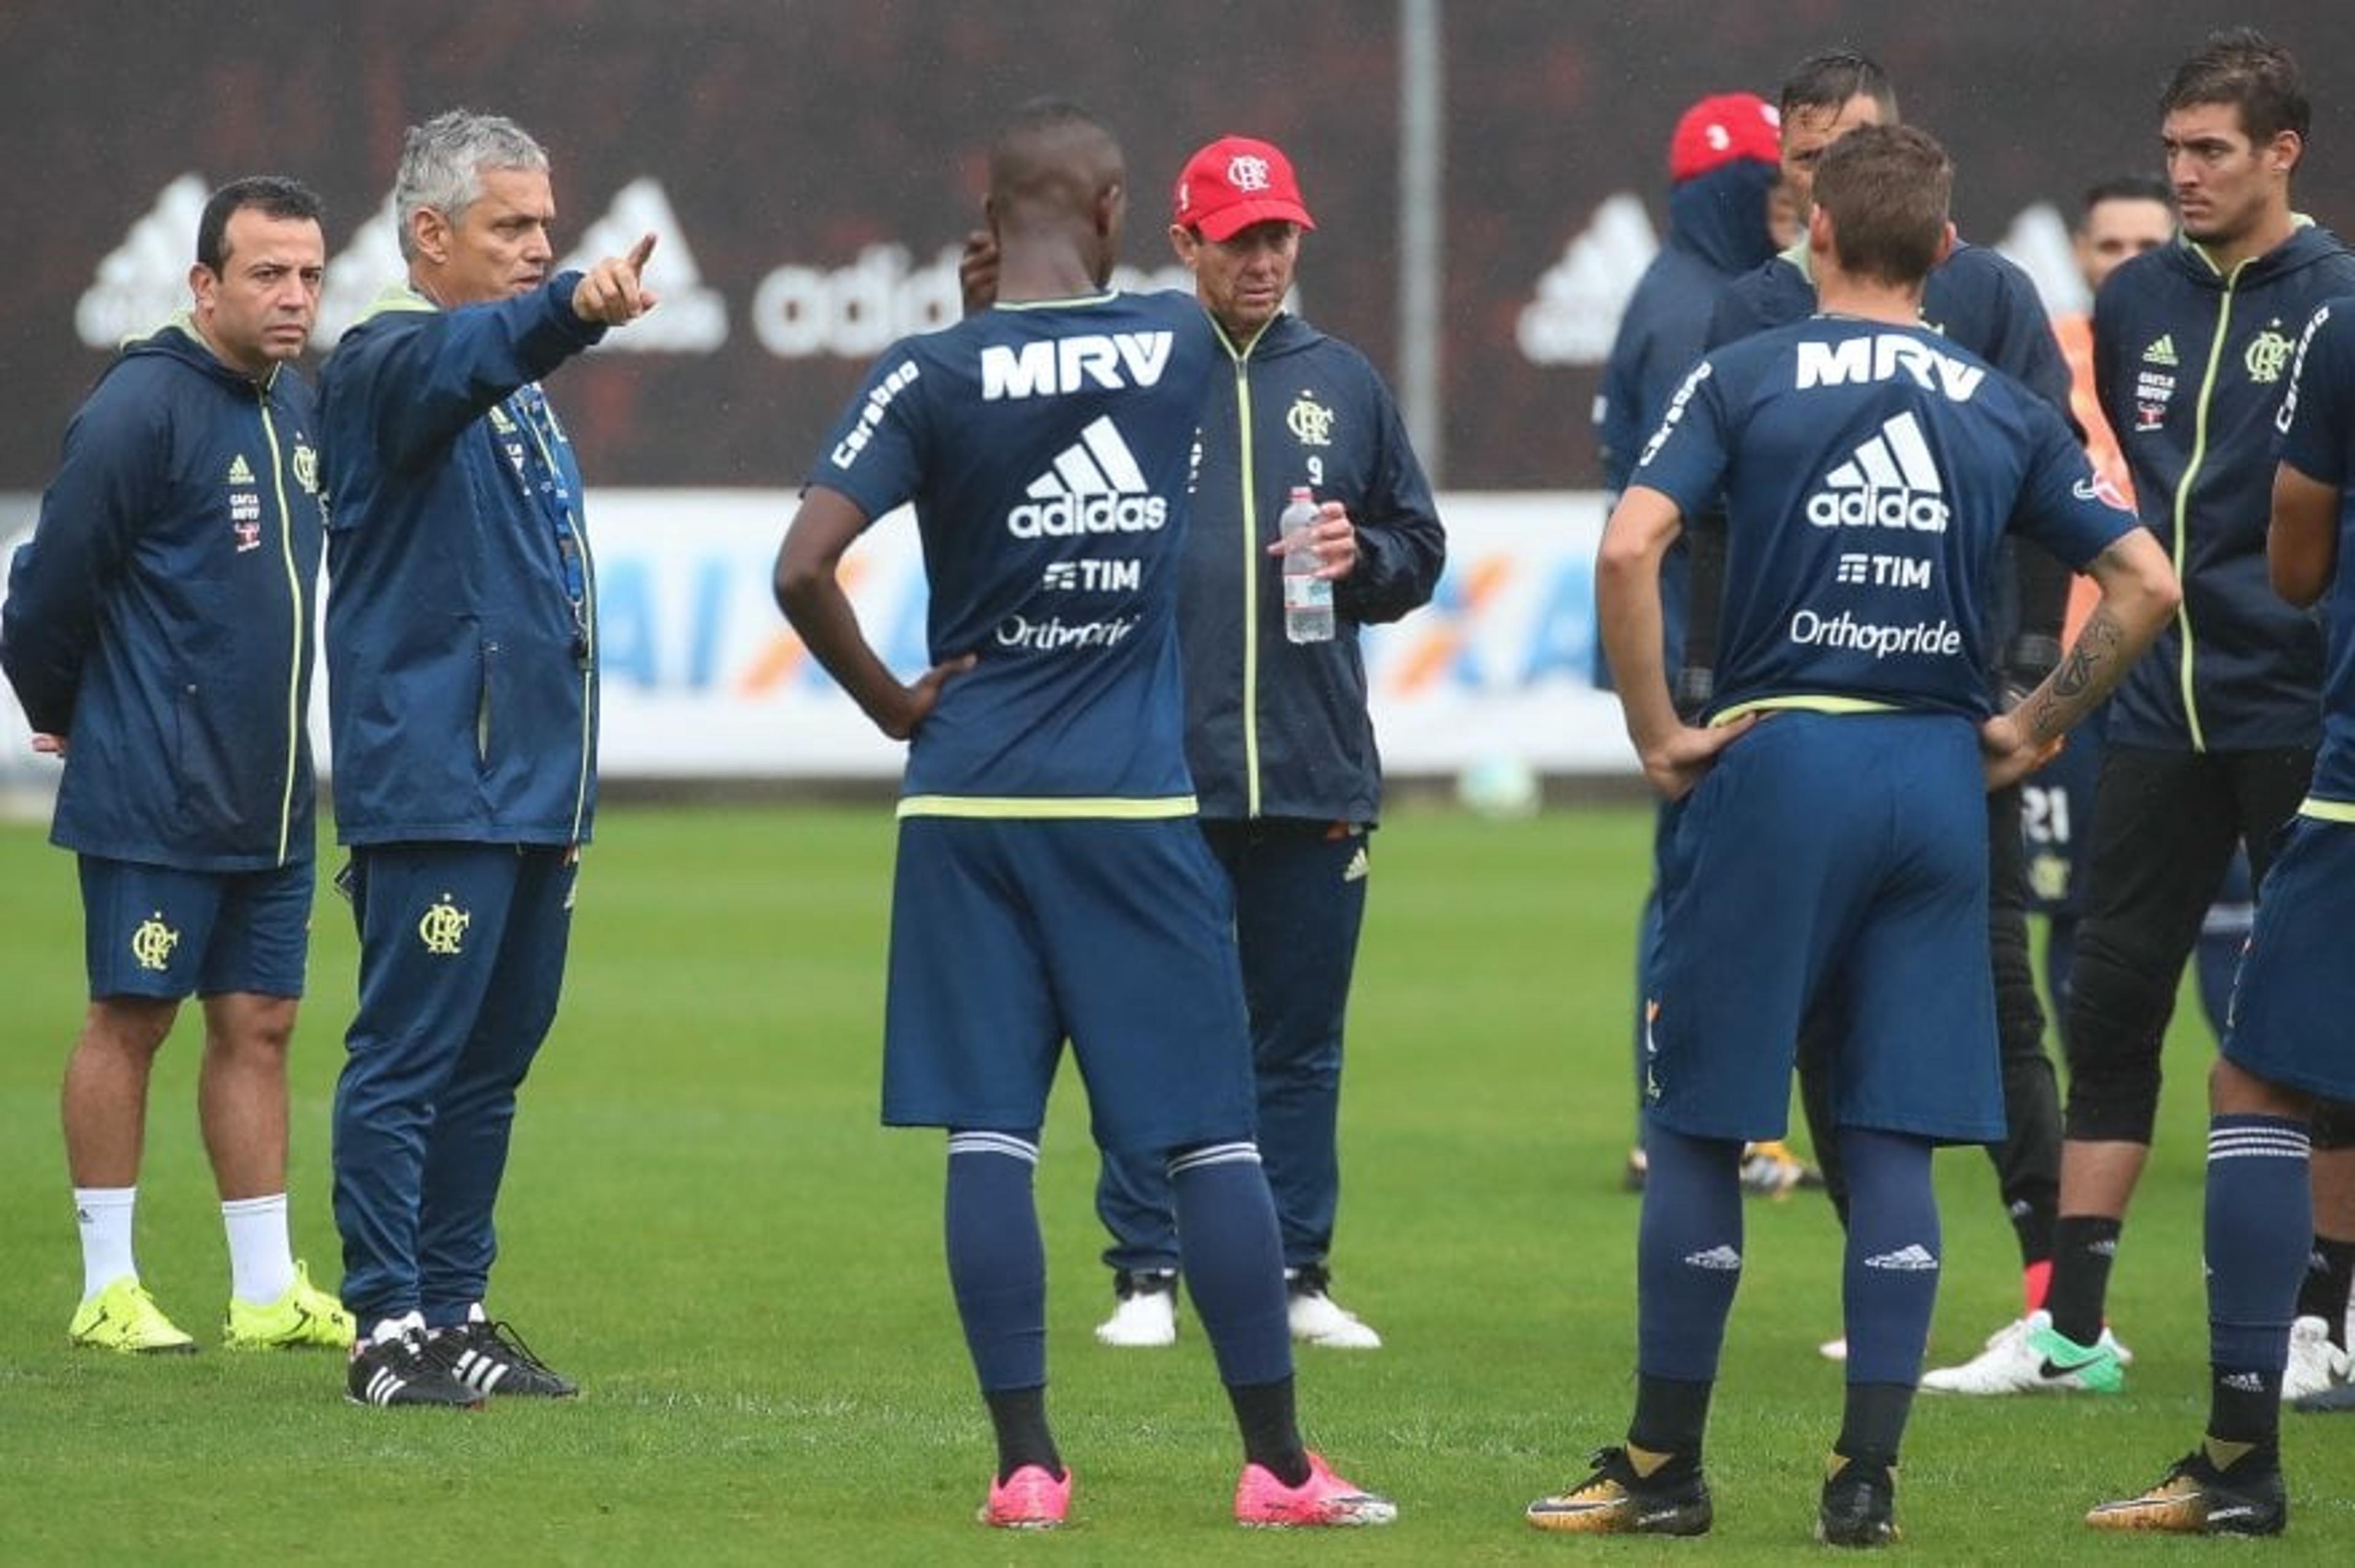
pixel 156 932
pixel 2296 989
pixel 1010 936
pixel 1834 862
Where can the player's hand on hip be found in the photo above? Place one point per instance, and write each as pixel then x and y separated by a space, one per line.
pixel 1335 539
pixel 614 292
pixel 1677 764
pixel 2009 753
pixel 50 745
pixel 925 696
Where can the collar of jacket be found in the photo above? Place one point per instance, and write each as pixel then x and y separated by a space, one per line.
pixel 2308 243
pixel 178 338
pixel 1284 334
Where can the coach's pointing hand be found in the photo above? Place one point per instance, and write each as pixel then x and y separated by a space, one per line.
pixel 611 291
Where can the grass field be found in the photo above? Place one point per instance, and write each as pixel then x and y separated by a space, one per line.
pixel 705 1225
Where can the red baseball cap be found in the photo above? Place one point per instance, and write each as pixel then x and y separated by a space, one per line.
pixel 1234 183
pixel 1719 129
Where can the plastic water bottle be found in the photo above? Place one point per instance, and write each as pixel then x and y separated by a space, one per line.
pixel 1307 598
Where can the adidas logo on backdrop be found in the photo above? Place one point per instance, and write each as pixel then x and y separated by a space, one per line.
pixel 145 278
pixel 692 318
pixel 1094 486
pixel 1888 482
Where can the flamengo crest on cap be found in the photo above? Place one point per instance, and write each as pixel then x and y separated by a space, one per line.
pixel 1246 172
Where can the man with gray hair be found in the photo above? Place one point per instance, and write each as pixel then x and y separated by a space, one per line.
pixel 462 650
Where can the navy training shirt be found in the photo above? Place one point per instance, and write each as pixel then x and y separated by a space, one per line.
pixel 1870 473
pixel 2317 425
pixel 1048 449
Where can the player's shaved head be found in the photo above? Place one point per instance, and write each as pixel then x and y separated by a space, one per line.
pixel 1052 162
pixel 1057 185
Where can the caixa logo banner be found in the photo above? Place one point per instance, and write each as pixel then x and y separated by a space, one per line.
pixel 703 678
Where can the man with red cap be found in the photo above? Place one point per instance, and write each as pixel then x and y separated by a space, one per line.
pixel 1724 160
pixel 1276 732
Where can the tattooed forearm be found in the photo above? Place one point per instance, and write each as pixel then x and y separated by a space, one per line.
pixel 2090 668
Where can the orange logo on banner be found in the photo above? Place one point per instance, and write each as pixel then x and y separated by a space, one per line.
pixel 1443 638
pixel 780 658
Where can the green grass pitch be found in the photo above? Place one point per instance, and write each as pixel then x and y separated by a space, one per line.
pixel 705 1225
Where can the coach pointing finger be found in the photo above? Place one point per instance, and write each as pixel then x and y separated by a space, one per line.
pixel 611 292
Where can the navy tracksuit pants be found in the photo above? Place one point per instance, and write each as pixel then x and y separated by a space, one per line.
pixel 1300 901
pixel 461 955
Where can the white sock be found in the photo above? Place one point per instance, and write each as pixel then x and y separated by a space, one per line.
pixel 104 1215
pixel 261 1261
pixel 387 1330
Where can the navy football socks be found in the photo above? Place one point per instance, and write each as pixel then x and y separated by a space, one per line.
pixel 2259 1225
pixel 1889 1283
pixel 1688 1255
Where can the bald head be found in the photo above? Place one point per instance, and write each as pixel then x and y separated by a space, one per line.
pixel 1057 180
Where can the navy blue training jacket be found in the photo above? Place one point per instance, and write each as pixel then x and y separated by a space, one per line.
pixel 1274 728
pixel 2190 365
pixel 1717 232
pixel 161 617
pixel 462 685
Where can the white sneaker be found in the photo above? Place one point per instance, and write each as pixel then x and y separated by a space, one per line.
pixel 2315 1365
pixel 1147 1313
pixel 1318 1320
pixel 2011 1362
pixel 1834 1349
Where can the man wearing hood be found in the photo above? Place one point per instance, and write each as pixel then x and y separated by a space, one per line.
pixel 158 630
pixel 1724 160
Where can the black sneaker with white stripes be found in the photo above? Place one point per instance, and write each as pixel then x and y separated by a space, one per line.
pixel 403 1370
pixel 491 1358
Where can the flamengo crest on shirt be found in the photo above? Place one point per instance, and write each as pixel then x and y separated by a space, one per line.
pixel 2268 355
pixel 1087 361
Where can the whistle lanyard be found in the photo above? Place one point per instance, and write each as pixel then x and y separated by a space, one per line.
pixel 549 492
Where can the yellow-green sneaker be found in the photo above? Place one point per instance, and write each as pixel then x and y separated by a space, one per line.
pixel 125 1317
pixel 302 1316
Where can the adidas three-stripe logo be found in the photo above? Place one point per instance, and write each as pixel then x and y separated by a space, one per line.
pixel 477 1371
pixel 1092 487
pixel 1891 480
pixel 383 1384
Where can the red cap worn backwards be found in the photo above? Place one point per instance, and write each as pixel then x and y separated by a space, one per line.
pixel 1234 183
pixel 1717 131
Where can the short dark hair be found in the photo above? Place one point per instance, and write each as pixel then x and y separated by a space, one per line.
pixel 2125 187
pixel 1829 80
pixel 276 196
pixel 1053 155
pixel 2242 67
pixel 1886 188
